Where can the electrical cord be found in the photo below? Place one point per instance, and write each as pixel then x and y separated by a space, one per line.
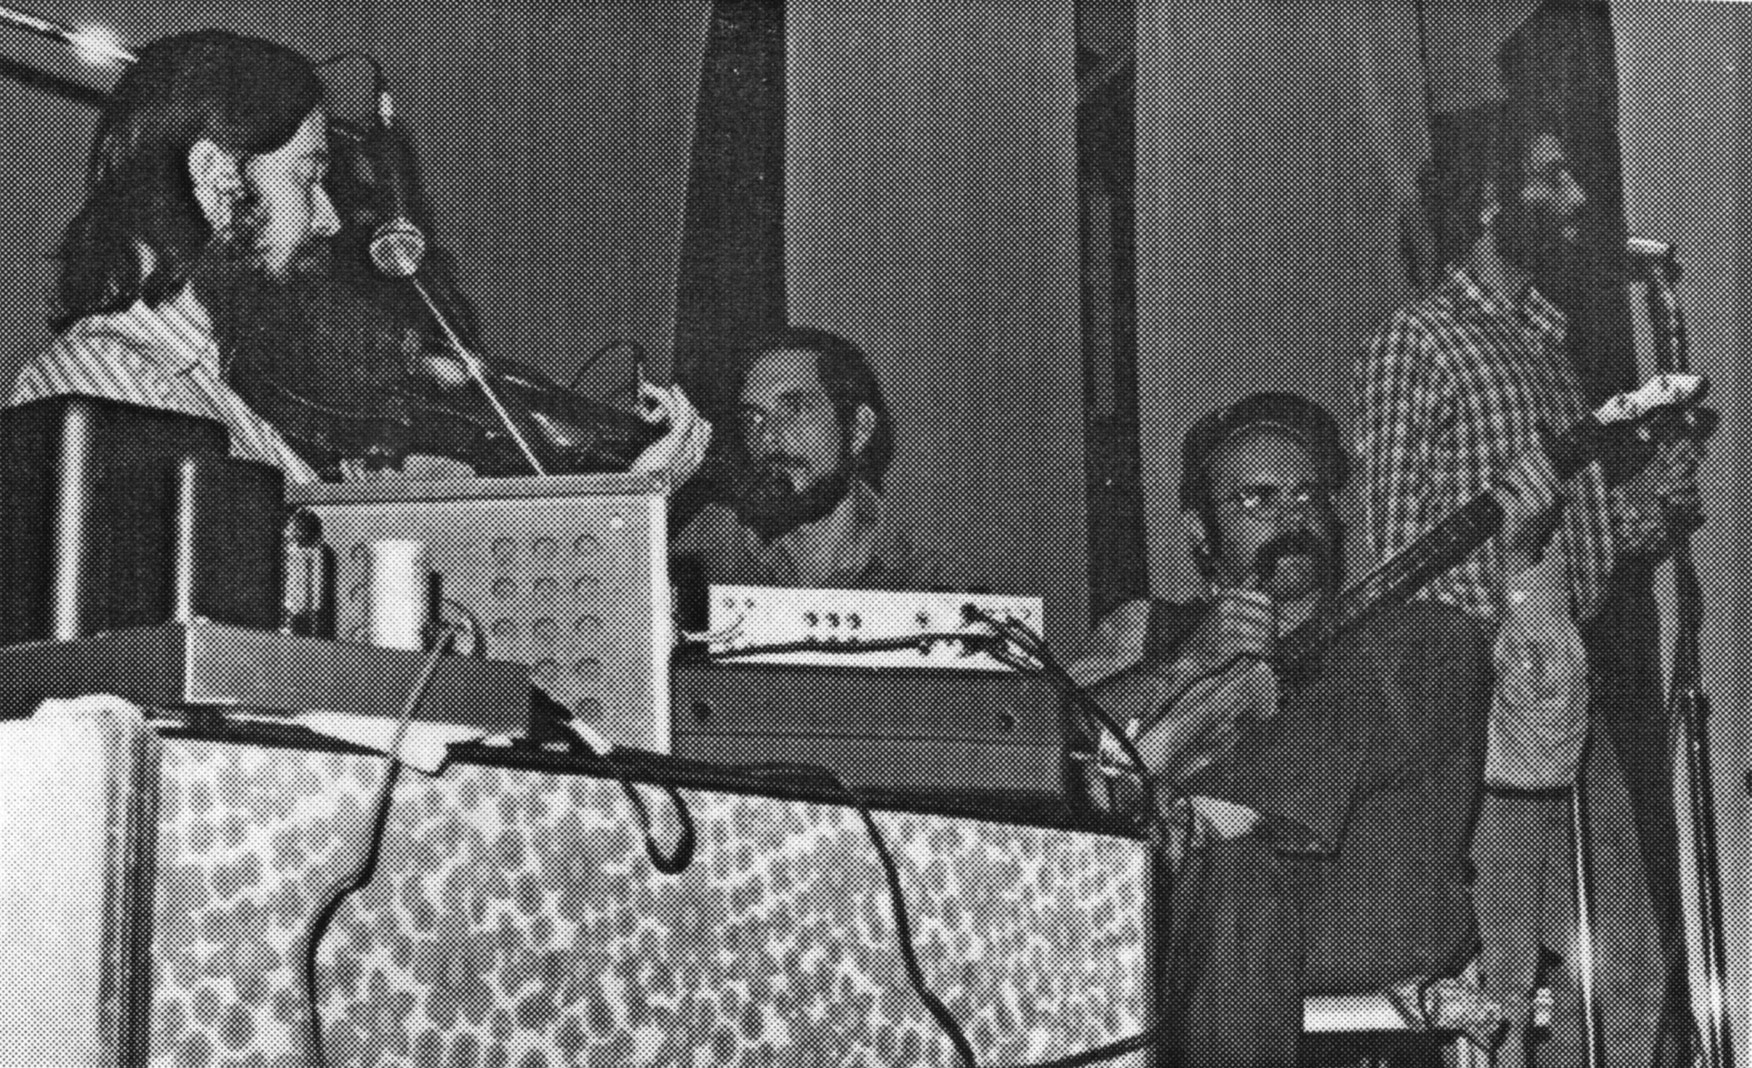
pixel 362 872
pixel 1043 665
pixel 586 738
pixel 896 893
pixel 812 773
pixel 974 642
pixel 1049 668
pixel 632 348
pixel 1037 647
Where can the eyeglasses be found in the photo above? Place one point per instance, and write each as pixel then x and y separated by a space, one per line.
pixel 1262 501
pixel 787 410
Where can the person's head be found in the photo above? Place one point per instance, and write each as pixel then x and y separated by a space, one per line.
pixel 1257 482
pixel 812 417
pixel 1505 169
pixel 213 146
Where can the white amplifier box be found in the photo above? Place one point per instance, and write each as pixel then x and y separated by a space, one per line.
pixel 569 575
pixel 854 628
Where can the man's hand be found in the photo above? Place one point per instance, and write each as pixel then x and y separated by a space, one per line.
pixel 1528 494
pixel 1666 486
pixel 682 447
pixel 1189 709
pixel 1242 626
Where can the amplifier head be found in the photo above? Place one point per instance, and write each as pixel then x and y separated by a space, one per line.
pixel 568 575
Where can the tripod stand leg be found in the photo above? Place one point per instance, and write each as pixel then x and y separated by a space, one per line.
pixel 1582 880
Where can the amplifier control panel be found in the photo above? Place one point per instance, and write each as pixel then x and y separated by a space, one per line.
pixel 856 628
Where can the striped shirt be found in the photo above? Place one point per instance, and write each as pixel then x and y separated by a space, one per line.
pixel 1454 389
pixel 164 357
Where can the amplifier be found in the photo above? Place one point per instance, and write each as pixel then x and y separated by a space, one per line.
pixel 116 515
pixel 840 625
pixel 568 575
pixel 209 665
pixel 902 730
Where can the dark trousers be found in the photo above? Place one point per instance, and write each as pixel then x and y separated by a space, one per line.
pixel 1252 929
pixel 1236 952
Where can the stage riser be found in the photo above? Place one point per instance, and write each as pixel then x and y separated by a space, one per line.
pixel 516 920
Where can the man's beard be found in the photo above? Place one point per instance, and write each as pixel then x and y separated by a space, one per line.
pixel 769 504
pixel 320 338
pixel 260 314
pixel 1531 238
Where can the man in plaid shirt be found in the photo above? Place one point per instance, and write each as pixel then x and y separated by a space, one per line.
pixel 1455 388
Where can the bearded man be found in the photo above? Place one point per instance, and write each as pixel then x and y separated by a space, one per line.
pixel 815 432
pixel 1323 808
pixel 204 246
pixel 1456 388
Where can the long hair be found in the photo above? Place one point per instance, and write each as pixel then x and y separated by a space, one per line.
pixel 246 95
pixel 848 379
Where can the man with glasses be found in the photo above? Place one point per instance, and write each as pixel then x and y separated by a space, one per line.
pixel 1322 814
pixel 815 431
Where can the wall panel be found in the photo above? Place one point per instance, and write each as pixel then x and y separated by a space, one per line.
pixel 931 216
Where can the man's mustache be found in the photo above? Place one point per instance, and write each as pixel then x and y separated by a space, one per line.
pixel 783 461
pixel 1299 542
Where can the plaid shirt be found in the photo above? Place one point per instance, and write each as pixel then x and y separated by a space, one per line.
pixel 1454 388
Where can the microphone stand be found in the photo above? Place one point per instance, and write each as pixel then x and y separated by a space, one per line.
pixel 85 44
pixel 1582 900
pixel 472 364
pixel 1686 701
pixel 397 248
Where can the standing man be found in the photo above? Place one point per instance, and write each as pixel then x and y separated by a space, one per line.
pixel 206 215
pixel 1332 805
pixel 815 433
pixel 1455 389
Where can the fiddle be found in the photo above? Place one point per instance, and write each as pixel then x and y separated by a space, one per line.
pixel 347 373
pixel 570 433
pixel 364 372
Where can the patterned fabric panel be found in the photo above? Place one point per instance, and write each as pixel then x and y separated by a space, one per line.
pixel 516 921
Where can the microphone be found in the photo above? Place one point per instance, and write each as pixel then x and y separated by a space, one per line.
pixel 1643 256
pixel 1643 248
pixel 397 245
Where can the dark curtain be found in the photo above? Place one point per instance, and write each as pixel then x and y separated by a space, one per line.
pixel 731 281
pixel 1562 59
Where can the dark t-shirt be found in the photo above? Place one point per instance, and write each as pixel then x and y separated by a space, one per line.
pixel 1372 770
pixel 876 554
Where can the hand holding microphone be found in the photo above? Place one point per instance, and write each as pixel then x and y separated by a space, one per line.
pixel 1240 628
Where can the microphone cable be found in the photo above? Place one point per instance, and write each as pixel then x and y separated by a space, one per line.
pixel 814 773
pixel 584 738
pixel 946 1022
pixel 362 872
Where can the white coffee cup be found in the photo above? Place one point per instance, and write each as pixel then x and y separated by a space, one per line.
pixel 395 594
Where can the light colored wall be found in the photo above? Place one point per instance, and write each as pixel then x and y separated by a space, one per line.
pixel 931 216
pixel 1276 143
pixel 1686 114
